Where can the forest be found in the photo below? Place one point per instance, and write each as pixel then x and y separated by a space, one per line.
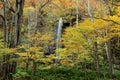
pixel 59 39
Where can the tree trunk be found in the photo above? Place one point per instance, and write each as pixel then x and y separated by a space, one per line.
pixel 4 25
pixel 18 18
pixel 34 67
pixel 108 43
pixel 77 12
pixel 89 11
pixel 108 11
pixel 109 56
pixel 97 59
pixel 110 59
pixel 27 65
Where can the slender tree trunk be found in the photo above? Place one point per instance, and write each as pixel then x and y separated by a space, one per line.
pixel 5 65
pixel 97 58
pixel 108 11
pixel 4 24
pixel 89 11
pixel 34 68
pixel 27 65
pixel 108 43
pixel 77 12
pixel 109 56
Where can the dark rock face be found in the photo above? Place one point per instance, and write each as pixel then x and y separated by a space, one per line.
pixel 49 50
pixel 66 25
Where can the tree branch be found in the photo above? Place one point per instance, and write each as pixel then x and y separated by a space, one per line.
pixel 2 17
pixel 107 20
pixel 44 4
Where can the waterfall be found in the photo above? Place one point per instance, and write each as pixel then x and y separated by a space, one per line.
pixel 59 31
pixel 58 37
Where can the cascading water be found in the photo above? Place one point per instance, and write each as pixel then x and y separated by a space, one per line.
pixel 58 37
pixel 59 31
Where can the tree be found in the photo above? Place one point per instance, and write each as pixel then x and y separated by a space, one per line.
pixel 18 17
pixel 18 20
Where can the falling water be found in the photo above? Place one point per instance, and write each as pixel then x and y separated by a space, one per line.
pixel 59 30
pixel 58 37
